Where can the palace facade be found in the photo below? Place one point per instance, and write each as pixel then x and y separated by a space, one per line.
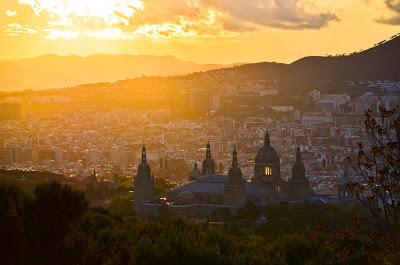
pixel 208 194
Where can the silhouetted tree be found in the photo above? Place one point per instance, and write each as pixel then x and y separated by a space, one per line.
pixel 12 213
pixel 51 216
pixel 379 167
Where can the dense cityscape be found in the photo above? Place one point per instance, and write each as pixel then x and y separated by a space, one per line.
pixel 75 143
pixel 193 132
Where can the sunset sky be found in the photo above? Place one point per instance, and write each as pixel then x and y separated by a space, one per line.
pixel 203 31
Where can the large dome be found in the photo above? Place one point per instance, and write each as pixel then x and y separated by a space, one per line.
pixel 267 153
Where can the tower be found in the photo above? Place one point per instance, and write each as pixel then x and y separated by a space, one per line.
pixel 267 168
pixel 143 186
pixel 195 173
pixel 343 191
pixel 298 183
pixel 235 186
pixel 208 166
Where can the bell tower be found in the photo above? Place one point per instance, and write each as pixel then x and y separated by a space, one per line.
pixel 298 183
pixel 208 166
pixel 143 186
pixel 235 186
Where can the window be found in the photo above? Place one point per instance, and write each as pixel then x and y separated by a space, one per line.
pixel 268 171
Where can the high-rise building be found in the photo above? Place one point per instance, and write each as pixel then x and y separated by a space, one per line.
pixel 13 154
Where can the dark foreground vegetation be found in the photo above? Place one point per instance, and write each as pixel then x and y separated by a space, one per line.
pixel 55 225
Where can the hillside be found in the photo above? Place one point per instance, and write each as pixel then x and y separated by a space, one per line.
pixel 382 62
pixel 52 71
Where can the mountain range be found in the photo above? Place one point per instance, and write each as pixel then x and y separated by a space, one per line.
pixel 327 73
pixel 53 71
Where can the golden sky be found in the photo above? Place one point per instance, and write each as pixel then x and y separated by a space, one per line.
pixel 204 31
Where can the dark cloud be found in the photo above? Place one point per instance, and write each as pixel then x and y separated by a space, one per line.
pixel 287 14
pixel 394 7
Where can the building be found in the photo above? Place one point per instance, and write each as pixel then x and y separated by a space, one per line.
pixel 267 168
pixel 316 118
pixel 195 173
pixel 343 192
pixel 208 195
pixel 208 166
pixel 298 183
pixel 143 187
pixel 10 111
pixel 235 186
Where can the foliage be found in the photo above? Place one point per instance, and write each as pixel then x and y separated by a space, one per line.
pixel 56 227
pixel 161 186
pixel 380 167
pixel 121 205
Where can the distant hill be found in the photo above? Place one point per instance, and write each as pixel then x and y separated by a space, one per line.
pixel 53 71
pixel 382 62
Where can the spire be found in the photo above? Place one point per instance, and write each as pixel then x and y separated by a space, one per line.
pixel 208 152
pixel 208 166
pixel 144 158
pixel 234 158
pixel 267 140
pixel 298 155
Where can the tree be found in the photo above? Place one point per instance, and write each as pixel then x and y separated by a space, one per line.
pixel 379 167
pixel 12 212
pixel 51 216
pixel 121 205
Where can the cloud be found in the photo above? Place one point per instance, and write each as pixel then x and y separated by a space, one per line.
pixel 128 19
pixel 391 15
pixel 11 13
pixel 394 7
pixel 287 14
pixel 16 29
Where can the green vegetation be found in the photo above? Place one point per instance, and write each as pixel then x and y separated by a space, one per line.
pixel 56 226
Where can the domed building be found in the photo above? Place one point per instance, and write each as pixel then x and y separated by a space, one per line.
pixel 208 195
pixel 267 166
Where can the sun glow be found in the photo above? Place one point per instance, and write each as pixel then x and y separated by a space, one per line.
pixel 222 31
pixel 68 12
